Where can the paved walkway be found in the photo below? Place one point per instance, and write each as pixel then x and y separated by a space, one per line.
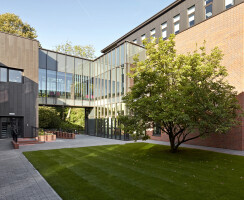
pixel 226 151
pixel 19 180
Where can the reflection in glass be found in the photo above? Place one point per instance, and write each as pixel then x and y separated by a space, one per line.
pixel 69 86
pixel 109 84
pixel 15 76
pixel 113 82
pixel 60 85
pixel 118 80
pixel 122 50
pixel 42 83
pixel 122 80
pixel 51 83
pixel 3 74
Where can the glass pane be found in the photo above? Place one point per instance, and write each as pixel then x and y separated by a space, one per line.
pixel 177 28
pixel 3 74
pixel 208 1
pixel 51 61
pixel 229 3
pixel 42 59
pixel 122 54
pixel 61 63
pixel 176 18
pixel 15 76
pixel 191 20
pixel 42 83
pixel 51 83
pixel 118 81
pixel 164 25
pixel 191 10
pixel 69 86
pixel 113 82
pixel 60 85
pixel 164 34
pixel 122 80
pixel 209 10
pixel 118 57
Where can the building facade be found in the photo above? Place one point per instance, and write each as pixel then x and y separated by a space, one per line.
pixel 18 85
pixel 54 79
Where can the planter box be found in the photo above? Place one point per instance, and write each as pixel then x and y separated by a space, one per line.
pixel 49 138
pixel 41 138
pixel 53 137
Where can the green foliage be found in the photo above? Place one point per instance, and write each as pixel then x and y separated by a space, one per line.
pixel 76 50
pixel 48 118
pixel 55 118
pixel 140 171
pixel 184 94
pixel 11 23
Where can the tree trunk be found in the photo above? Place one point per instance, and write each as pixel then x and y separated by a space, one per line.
pixel 174 148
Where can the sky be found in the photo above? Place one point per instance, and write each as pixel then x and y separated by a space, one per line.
pixel 92 22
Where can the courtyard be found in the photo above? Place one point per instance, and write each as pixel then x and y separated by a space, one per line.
pixel 98 168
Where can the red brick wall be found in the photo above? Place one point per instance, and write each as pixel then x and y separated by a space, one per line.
pixel 226 31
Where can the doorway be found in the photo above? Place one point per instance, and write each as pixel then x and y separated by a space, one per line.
pixel 8 123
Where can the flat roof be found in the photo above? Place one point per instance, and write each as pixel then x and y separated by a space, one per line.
pixel 171 6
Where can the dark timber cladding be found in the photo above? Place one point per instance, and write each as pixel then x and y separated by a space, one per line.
pixel 167 15
pixel 18 100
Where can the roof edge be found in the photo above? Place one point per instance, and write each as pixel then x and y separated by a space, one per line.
pixel 172 5
pixel 20 36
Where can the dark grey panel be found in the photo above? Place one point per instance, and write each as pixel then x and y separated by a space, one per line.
pixel 42 59
pixel 51 61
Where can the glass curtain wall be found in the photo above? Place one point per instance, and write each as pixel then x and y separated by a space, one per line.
pixel 69 80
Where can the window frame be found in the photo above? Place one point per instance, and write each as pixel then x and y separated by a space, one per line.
pixel 153 33
pixel 176 21
pixel 164 29
pixel 157 130
pixel 207 5
pixel 191 14
pixel 6 74
pixel 144 35
pixel 231 5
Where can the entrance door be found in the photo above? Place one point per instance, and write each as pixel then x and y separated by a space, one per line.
pixel 8 123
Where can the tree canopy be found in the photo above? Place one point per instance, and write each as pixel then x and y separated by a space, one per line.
pixel 186 95
pixel 76 50
pixel 11 23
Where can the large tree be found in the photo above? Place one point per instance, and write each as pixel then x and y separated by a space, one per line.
pixel 76 50
pixel 11 23
pixel 186 95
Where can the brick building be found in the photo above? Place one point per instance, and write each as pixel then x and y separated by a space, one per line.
pixel 99 85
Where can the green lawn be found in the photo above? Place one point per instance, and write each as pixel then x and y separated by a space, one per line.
pixel 140 171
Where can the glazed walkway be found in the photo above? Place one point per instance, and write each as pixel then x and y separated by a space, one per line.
pixel 20 180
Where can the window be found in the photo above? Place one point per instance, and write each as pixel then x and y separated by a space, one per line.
pixel 15 76
pixel 153 33
pixel 191 16
pixel 135 41
pixel 164 30
pixel 229 3
pixel 3 74
pixel 208 8
pixel 177 24
pixel 157 130
pixel 143 37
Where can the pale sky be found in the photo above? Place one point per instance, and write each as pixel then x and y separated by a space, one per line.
pixel 94 22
